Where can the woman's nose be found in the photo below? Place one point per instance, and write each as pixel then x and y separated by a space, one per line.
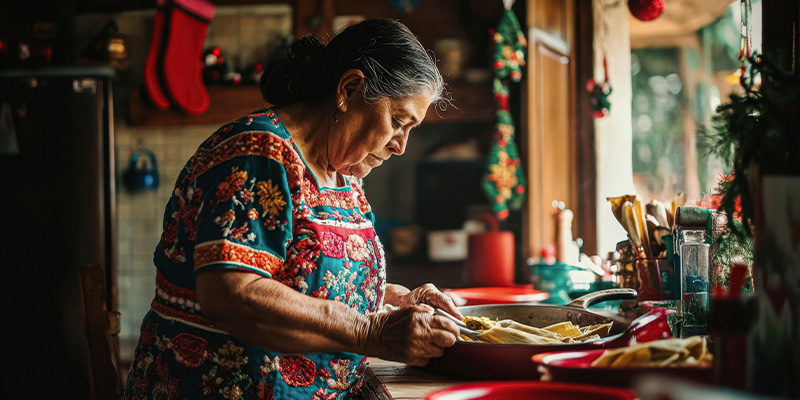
pixel 398 144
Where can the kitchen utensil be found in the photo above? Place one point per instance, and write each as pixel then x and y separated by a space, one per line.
pixel 651 225
pixel 631 226
pixel 462 327
pixel 616 205
pixel 503 390
pixel 576 366
pixel 469 332
pixel 659 234
pixel 640 221
pixel 660 213
pixel 439 311
pixel 475 360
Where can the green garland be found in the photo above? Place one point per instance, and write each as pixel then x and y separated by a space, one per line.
pixel 729 249
pixel 756 133
pixel 504 181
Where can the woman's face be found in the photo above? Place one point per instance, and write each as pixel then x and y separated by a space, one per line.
pixel 367 134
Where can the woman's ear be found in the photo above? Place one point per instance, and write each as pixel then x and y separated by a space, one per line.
pixel 349 83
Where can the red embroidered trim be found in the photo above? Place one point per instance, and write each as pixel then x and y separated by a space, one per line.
pixel 226 251
pixel 176 302
pixel 345 200
pixel 248 144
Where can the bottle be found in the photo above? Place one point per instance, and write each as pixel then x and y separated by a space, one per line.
pixel 565 247
pixel 692 304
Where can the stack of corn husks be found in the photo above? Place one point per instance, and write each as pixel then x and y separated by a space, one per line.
pixel 508 331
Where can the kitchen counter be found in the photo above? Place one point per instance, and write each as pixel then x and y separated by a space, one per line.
pixel 387 380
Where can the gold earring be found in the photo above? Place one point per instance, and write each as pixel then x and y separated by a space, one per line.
pixel 341 103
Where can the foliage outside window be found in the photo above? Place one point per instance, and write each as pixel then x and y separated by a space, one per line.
pixel 675 91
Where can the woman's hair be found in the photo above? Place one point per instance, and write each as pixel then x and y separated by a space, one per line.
pixel 394 63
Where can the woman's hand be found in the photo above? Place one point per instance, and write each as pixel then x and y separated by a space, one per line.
pixel 411 334
pixel 400 297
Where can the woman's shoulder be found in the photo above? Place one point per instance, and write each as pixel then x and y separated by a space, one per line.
pixel 259 134
pixel 261 126
pixel 259 122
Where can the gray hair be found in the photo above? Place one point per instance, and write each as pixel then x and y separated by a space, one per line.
pixel 394 63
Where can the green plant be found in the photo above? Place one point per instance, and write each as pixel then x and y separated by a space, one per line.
pixel 757 132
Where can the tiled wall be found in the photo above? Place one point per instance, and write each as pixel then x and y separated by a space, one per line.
pixel 140 214
pixel 246 34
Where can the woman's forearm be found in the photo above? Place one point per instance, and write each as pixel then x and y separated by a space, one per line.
pixel 270 315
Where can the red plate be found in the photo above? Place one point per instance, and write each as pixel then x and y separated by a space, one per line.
pixel 576 366
pixel 500 294
pixel 516 390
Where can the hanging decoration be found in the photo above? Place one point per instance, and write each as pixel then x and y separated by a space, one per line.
pixel 504 181
pixel 746 37
pixel 646 10
pixel 598 94
pixel 600 90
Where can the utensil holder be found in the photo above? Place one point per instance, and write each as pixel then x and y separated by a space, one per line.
pixel 648 272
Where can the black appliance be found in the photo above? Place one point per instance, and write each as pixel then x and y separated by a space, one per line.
pixel 57 206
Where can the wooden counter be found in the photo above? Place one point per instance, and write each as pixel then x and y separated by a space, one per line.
pixel 387 380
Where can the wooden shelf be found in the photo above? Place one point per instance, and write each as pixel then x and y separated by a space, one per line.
pixel 471 103
pixel 227 103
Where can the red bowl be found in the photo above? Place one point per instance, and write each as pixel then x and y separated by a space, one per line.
pixel 576 366
pixel 516 390
pixel 500 294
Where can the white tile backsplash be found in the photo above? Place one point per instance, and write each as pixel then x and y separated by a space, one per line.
pixel 247 34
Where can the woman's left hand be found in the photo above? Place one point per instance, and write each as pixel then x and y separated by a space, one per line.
pixel 426 294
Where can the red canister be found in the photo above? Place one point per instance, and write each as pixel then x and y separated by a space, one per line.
pixel 490 257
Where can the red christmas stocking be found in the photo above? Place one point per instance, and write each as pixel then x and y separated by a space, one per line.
pixel 179 57
pixel 152 78
pixel 182 67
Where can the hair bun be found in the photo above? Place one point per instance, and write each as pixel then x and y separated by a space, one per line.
pixel 306 51
pixel 294 75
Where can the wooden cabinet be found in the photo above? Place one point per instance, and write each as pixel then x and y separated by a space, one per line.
pixel 560 140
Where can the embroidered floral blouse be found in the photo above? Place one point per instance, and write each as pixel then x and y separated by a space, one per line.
pixel 247 201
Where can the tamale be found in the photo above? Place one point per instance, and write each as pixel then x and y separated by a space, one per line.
pixel 510 323
pixel 502 335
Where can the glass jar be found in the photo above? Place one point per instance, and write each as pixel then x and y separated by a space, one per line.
pixel 695 261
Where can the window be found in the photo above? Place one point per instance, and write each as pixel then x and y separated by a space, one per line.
pixel 676 88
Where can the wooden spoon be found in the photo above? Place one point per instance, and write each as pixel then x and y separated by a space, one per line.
pixel 630 225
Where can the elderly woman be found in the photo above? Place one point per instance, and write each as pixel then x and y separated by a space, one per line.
pixel 270 277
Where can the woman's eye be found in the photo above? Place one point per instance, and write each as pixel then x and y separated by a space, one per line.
pixel 396 123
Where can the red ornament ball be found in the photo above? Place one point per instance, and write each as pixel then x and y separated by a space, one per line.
pixel 646 10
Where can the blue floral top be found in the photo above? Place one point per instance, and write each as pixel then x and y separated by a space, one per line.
pixel 247 201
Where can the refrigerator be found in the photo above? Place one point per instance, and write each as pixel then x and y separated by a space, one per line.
pixel 57 202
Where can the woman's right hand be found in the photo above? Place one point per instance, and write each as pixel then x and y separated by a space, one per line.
pixel 412 335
